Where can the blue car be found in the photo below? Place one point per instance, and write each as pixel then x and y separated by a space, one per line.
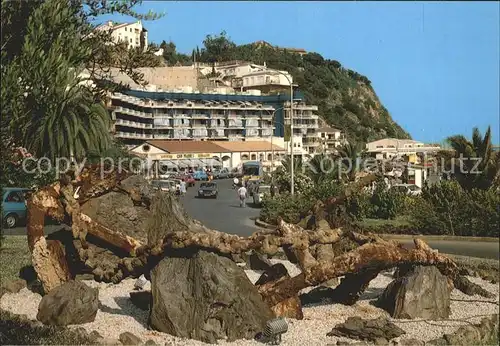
pixel 13 206
pixel 200 175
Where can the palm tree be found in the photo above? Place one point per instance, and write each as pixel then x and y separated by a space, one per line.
pixel 74 124
pixel 321 167
pixel 474 164
pixel 349 156
pixel 287 164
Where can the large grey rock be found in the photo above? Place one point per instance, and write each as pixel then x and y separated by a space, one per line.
pixel 128 338
pixel 206 297
pixel 257 261
pixel 117 211
pixel 71 303
pixel 377 330
pixel 423 292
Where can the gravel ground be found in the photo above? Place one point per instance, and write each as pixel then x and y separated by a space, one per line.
pixel 117 314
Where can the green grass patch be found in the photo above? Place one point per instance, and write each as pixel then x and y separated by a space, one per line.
pixel 14 330
pixel 14 255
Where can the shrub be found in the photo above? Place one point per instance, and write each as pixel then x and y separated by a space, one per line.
pixel 447 208
pixel 386 204
pixel 290 208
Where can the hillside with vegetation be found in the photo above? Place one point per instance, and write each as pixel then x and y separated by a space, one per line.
pixel 346 99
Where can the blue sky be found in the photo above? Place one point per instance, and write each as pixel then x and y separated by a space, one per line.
pixel 434 65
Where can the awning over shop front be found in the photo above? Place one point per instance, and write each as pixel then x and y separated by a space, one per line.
pixel 167 163
pixel 184 163
pixel 211 162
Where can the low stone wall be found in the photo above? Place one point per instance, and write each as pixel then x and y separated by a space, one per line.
pixel 484 333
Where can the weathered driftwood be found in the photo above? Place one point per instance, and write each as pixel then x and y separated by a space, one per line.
pixel 111 254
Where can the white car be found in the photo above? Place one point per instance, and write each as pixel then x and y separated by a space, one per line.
pixel 258 194
pixel 163 185
pixel 409 189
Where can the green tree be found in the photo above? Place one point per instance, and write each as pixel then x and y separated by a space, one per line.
pixel 55 115
pixel 47 106
pixel 475 164
pixel 217 48
pixel 322 167
pixel 169 52
pixel 349 157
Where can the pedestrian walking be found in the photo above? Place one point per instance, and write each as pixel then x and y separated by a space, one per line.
pixel 183 188
pixel 242 195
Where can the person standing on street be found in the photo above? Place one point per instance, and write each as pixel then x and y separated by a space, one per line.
pixel 242 195
pixel 236 182
pixel 183 188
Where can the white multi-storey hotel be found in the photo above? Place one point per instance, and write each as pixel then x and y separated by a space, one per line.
pixel 140 116
pixel 133 34
pixel 171 107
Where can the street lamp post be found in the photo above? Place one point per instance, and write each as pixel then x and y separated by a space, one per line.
pixel 272 135
pixel 292 173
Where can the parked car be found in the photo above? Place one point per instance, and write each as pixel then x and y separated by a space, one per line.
pixel 200 175
pixel 259 193
pixel 189 179
pixel 13 206
pixel 409 189
pixel 163 185
pixel 177 183
pixel 252 186
pixel 221 174
pixel 208 190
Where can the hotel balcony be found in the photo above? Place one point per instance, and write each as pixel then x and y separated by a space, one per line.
pixel 252 133
pixel 163 116
pixel 252 116
pixel 200 134
pixel 235 138
pixel 217 116
pixel 198 125
pixel 199 116
pixel 253 123
pixel 181 125
pixel 133 135
pixel 304 126
pixel 130 123
pixel 129 111
pixel 217 134
pixel 162 136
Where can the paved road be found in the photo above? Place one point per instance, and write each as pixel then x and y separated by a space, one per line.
pixel 225 215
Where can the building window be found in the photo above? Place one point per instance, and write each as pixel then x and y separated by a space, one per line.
pixel 130 40
pixel 244 157
pixel 269 157
pixel 254 157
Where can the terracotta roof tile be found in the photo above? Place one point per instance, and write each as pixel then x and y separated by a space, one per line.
pixel 249 146
pixel 212 146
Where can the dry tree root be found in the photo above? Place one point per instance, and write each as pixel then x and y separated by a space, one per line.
pixel 113 255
